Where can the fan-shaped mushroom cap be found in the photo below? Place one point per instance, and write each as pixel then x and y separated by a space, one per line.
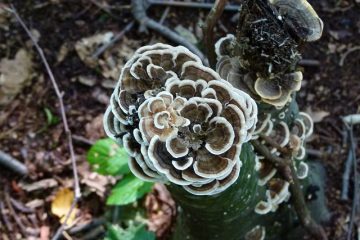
pixel 302 170
pixel 263 207
pixel 308 122
pixel 179 121
pixel 301 17
pixel 257 233
pixel 223 46
pixel 266 171
pixel 278 190
pixel 277 92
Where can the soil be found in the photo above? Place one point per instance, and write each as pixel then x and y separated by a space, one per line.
pixel 328 87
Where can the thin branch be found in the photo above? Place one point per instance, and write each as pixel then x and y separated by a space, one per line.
pixel 346 176
pixel 344 56
pixel 356 183
pixel 229 7
pixel 13 164
pixel 301 209
pixel 275 160
pixel 117 37
pixel 60 230
pixel 274 144
pixel 208 30
pixel 297 196
pixel 59 95
pixel 139 13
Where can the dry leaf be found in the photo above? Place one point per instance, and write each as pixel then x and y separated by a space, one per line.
pixel 14 75
pixel 317 116
pixel 95 129
pixel 87 46
pixel 39 185
pixel 61 205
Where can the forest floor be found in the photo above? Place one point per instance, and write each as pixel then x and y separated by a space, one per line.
pixel 29 126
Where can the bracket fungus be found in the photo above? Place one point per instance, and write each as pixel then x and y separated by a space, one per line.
pixel 275 89
pixel 179 121
pixel 301 17
pixel 257 233
pixel 262 59
pixel 284 136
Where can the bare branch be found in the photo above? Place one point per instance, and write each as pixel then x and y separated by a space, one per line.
pixel 208 30
pixel 59 95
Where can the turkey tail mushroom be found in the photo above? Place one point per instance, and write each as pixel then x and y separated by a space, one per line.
pixel 179 120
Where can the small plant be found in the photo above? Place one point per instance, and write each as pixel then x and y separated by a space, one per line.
pixel 108 158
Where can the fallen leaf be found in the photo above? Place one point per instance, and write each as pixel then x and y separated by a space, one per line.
pixel 14 75
pixel 61 205
pixel 95 129
pixel 161 210
pixel 87 46
pixel 42 184
pixel 317 116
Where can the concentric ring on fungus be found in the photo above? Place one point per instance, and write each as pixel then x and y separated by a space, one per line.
pixel 179 121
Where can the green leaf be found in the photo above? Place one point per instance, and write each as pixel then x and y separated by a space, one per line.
pixel 133 232
pixel 51 119
pixel 108 158
pixel 128 190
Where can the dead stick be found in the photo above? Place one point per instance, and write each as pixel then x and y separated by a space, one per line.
pixel 301 209
pixel 14 215
pixel 228 7
pixel 114 40
pixel 356 183
pixel 283 165
pixel 13 164
pixel 208 30
pixel 139 12
pixel 59 95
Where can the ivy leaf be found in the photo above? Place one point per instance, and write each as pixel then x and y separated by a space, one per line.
pixel 108 158
pixel 128 190
pixel 133 232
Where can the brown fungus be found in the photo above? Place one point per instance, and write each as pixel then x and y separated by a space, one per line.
pixel 179 121
pixel 257 233
pixel 301 17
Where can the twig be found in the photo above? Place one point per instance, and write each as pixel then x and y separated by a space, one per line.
pixel 309 62
pixel 20 206
pixel 356 183
pixel 165 14
pixel 82 140
pixel 13 164
pixel 229 7
pixel 117 37
pixel 301 209
pixel 60 230
pixel 59 95
pixel 14 215
pixel 208 30
pixel 344 56
pixel 279 163
pixel 85 227
pixel 346 176
pixel 284 165
pixel 274 144
pixel 139 12
pixel 5 217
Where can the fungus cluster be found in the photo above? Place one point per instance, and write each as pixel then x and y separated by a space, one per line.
pixel 179 121
pixel 262 60
pixel 285 137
